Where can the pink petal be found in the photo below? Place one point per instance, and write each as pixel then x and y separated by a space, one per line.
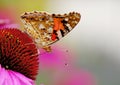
pixel 15 80
pixel 76 77
pixel 24 80
pixel 8 77
pixel 9 26
pixel 2 72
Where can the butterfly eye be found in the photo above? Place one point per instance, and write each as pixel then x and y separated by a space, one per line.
pixel 23 17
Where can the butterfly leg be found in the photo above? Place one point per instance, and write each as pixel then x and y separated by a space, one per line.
pixel 47 48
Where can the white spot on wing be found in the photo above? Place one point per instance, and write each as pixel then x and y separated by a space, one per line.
pixel 50 19
pixel 50 30
pixel 66 19
pixel 59 34
pixel 37 40
pixel 43 43
pixel 41 26
pixel 69 27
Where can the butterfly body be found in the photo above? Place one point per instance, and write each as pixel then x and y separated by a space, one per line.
pixel 46 29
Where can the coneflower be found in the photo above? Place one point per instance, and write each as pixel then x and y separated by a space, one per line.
pixel 18 58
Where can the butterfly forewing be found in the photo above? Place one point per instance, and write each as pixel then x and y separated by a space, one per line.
pixel 46 29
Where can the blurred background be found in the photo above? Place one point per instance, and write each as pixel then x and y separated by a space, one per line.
pixel 89 54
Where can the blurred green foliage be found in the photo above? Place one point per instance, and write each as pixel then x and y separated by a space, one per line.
pixel 25 4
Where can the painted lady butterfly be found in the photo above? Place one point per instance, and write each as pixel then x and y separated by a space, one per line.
pixel 46 28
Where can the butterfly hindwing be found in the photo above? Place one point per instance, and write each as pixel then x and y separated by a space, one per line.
pixel 46 29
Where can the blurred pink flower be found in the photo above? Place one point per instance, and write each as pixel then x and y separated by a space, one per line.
pixel 75 77
pixel 57 58
pixel 9 77
pixel 63 70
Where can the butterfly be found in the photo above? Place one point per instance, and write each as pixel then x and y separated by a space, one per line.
pixel 46 28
